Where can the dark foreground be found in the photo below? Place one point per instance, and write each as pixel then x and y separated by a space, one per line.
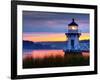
pixel 58 61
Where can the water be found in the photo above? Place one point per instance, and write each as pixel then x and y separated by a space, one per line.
pixel 46 53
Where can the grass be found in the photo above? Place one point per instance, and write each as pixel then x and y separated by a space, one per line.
pixel 57 61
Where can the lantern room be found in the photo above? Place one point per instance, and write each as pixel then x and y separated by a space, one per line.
pixel 73 27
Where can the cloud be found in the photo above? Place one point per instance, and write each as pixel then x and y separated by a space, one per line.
pixel 35 21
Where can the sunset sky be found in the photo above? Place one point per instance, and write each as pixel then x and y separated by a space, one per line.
pixel 47 26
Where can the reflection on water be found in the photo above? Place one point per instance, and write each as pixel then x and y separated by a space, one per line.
pixel 46 53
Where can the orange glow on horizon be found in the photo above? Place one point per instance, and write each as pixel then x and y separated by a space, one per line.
pixel 53 37
pixel 47 37
pixel 84 36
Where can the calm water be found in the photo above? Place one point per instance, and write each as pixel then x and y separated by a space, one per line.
pixel 46 53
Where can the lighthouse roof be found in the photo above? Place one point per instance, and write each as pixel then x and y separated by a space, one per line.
pixel 73 23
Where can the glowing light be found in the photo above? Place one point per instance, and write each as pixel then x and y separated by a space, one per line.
pixel 73 27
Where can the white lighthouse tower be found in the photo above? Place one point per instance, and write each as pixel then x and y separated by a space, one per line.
pixel 73 37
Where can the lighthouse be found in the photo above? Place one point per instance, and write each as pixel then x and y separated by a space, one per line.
pixel 73 37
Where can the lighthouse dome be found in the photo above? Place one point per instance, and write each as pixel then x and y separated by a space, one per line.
pixel 73 23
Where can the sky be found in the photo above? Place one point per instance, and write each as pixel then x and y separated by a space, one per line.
pixel 52 26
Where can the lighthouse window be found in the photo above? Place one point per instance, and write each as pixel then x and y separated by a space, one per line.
pixel 73 28
pixel 72 43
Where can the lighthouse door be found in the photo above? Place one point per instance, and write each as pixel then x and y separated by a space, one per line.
pixel 72 44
